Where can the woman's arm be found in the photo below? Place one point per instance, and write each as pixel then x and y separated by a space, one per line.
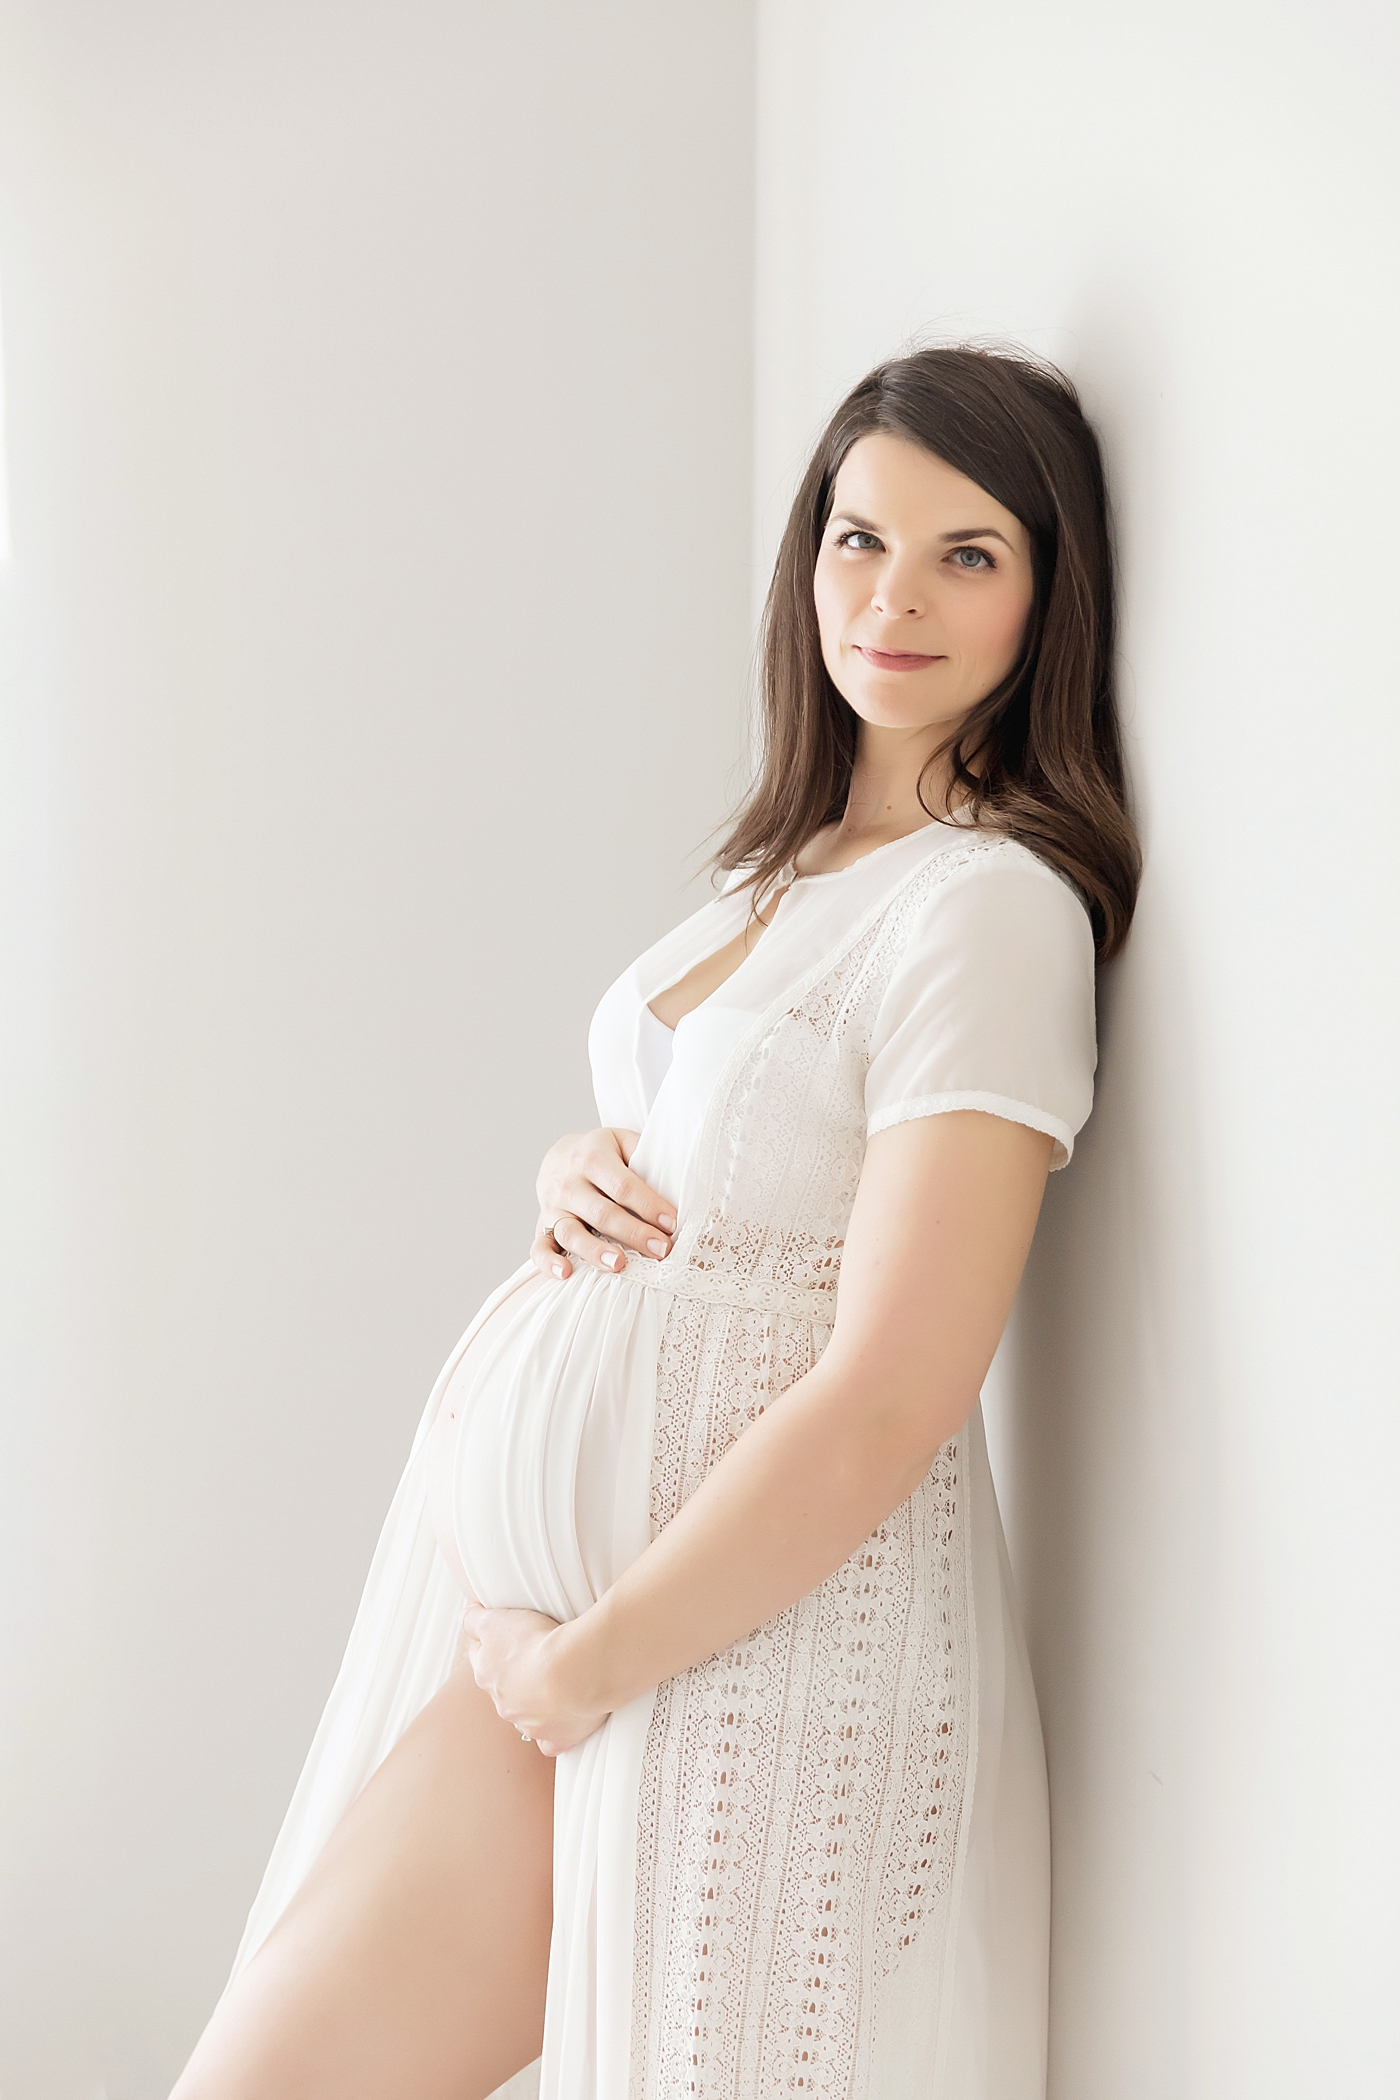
pixel 939 1235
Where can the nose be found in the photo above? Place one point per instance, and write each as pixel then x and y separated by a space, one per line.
pixel 898 593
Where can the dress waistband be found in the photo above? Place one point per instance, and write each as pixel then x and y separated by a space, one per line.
pixel 790 1301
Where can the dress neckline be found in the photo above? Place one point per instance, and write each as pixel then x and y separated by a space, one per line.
pixel 656 1021
pixel 790 880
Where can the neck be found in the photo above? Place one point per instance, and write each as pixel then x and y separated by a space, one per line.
pixel 883 801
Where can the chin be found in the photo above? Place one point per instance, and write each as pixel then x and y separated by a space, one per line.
pixel 883 710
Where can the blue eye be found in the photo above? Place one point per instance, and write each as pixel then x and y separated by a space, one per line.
pixel 980 559
pixel 848 539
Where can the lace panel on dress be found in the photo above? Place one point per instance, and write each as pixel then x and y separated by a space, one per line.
pixel 802 1794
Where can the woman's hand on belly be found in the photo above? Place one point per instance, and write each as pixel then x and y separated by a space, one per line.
pixel 515 1659
pixel 593 1208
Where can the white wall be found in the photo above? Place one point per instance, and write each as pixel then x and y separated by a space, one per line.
pixel 374 652
pixel 1192 207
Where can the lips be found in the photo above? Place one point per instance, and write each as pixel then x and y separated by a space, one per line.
pixel 895 659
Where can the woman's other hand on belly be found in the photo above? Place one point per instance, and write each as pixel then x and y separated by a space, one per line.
pixel 594 1209
pixel 515 1658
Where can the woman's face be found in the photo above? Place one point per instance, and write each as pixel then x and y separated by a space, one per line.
pixel 923 587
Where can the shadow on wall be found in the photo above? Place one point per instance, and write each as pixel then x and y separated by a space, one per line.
pixel 1099 1401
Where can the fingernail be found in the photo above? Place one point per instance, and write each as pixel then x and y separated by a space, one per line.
pixel 656 1246
pixel 559 1270
pixel 666 1222
pixel 611 1261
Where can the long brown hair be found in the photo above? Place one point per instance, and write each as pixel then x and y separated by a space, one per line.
pixel 1040 758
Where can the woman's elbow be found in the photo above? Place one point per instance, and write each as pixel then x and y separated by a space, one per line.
pixel 902 1423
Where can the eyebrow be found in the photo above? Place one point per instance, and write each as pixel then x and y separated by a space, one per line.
pixel 946 539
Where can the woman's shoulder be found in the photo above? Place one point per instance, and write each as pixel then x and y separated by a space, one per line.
pixel 1002 873
pixel 991 894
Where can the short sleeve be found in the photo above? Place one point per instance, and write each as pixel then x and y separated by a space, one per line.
pixel 991 1005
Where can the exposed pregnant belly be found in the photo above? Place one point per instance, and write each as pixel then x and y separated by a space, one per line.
pixel 540 1451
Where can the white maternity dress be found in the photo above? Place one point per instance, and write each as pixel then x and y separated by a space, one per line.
pixel 818 1864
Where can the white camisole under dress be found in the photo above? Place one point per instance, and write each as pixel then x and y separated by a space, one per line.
pixel 817 1865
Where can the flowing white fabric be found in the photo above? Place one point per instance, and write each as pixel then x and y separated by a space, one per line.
pixel 819 1863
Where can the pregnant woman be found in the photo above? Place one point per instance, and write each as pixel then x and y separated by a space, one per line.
pixel 686 1739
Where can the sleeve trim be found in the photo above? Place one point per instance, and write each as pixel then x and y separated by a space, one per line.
pixel 921 1105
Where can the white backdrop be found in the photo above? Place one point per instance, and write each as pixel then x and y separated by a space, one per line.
pixel 1193 207
pixel 374 649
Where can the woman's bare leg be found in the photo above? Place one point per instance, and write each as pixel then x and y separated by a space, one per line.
pixel 411 1964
